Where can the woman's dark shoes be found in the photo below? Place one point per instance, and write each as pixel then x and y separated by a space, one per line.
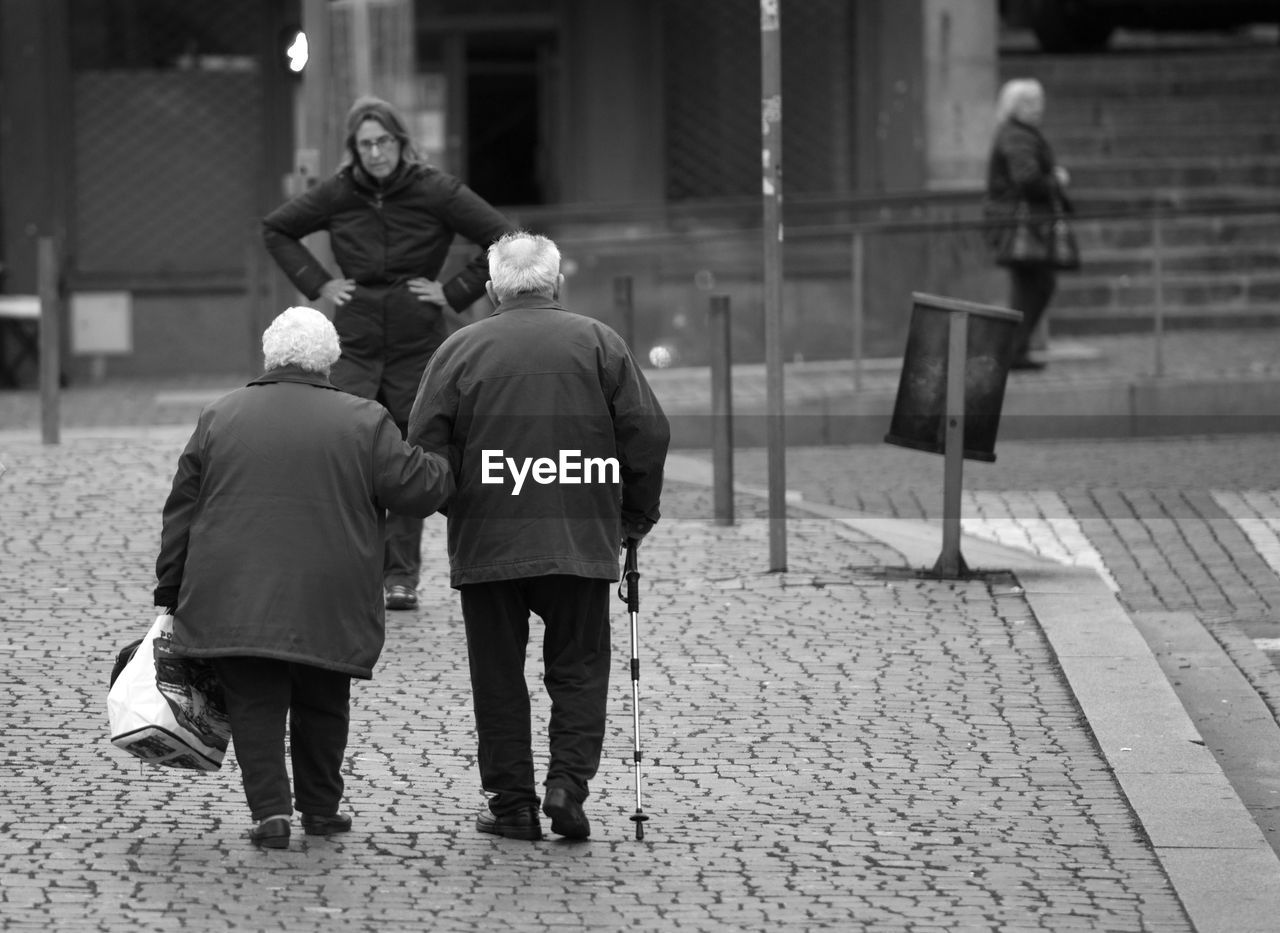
pixel 566 814
pixel 325 825
pixel 271 833
pixel 1027 363
pixel 522 824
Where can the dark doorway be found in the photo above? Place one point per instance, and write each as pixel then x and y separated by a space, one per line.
pixel 505 144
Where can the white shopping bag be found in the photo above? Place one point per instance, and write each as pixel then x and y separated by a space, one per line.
pixel 166 710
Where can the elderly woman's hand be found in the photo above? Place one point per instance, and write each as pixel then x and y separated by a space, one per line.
pixel 427 290
pixel 338 291
pixel 1062 175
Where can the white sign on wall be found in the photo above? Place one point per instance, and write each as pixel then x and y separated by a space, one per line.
pixel 101 322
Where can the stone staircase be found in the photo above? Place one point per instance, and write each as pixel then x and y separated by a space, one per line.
pixel 1195 130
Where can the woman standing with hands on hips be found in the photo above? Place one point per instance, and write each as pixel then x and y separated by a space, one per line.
pixel 1021 171
pixel 391 220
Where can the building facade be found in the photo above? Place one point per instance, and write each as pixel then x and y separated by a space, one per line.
pixel 148 137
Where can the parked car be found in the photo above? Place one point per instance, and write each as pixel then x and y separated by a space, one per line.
pixel 1087 25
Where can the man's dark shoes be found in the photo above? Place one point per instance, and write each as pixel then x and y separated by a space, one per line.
pixel 566 814
pixel 271 833
pixel 522 824
pixel 401 597
pixel 325 825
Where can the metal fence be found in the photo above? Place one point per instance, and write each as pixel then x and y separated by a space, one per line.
pixel 1150 266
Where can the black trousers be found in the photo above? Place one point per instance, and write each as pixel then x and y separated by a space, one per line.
pixel 261 695
pixel 402 547
pixel 388 336
pixel 1030 290
pixel 575 656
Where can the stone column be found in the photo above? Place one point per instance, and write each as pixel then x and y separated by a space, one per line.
pixel 960 64
pixel 926 85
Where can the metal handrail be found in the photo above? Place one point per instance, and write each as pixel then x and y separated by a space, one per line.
pixel 1158 208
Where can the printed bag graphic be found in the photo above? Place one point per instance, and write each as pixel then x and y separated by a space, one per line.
pixel 167 710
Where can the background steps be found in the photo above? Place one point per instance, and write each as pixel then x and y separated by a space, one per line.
pixel 1193 128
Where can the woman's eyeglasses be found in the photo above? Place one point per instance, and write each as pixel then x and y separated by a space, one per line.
pixel 382 143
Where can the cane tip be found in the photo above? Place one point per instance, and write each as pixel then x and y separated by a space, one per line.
pixel 638 818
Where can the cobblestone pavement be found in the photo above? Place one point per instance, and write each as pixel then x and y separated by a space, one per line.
pixel 1173 523
pixel 843 746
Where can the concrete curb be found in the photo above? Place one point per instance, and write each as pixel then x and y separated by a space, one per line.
pixel 1112 407
pixel 1215 855
pixel 1218 860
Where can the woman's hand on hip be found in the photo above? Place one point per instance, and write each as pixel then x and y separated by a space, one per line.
pixel 339 291
pixel 427 290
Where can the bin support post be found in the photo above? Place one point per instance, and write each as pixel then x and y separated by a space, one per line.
pixel 951 562
pixel 721 410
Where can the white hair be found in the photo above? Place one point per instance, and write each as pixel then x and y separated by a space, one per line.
pixel 301 337
pixel 1013 93
pixel 524 263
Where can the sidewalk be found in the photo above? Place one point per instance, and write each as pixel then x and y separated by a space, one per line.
pixel 847 745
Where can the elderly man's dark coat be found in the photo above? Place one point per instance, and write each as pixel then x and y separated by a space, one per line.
pixel 272 544
pixel 535 382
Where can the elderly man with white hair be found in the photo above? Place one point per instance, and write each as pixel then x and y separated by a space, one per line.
pixel 271 561
pixel 559 445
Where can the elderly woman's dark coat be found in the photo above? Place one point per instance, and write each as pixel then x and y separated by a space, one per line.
pixel 272 543
pixel 1020 169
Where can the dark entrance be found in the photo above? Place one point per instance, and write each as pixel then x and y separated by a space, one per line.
pixel 505 120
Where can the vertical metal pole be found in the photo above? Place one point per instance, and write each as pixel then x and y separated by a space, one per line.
pixel 361 63
pixel 314 103
pixel 623 301
pixel 721 410
pixel 771 166
pixel 49 279
pixel 1157 274
pixel 316 139
pixel 951 563
pixel 858 310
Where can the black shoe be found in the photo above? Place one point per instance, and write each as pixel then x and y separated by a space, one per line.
pixel 401 597
pixel 271 833
pixel 523 824
pixel 325 825
pixel 566 814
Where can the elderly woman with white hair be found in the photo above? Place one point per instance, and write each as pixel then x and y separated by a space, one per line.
pixel 271 562
pixel 1021 171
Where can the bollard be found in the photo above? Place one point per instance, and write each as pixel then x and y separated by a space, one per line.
pixel 1157 275
pixel 859 311
pixel 625 307
pixel 721 409
pixel 50 287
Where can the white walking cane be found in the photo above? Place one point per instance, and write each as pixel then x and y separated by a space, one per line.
pixel 632 576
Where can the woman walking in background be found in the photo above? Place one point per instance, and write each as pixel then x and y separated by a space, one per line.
pixel 1021 172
